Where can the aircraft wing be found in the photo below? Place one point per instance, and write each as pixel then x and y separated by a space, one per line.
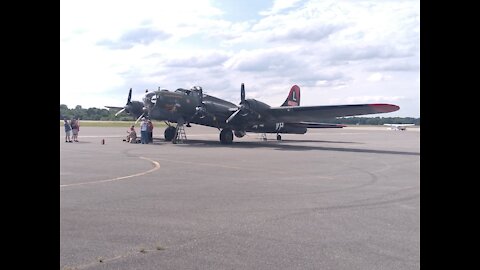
pixel 315 113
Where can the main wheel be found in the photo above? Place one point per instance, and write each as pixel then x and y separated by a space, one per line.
pixel 279 137
pixel 226 136
pixel 169 133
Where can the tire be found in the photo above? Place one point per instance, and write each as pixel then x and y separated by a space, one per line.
pixel 169 133
pixel 226 136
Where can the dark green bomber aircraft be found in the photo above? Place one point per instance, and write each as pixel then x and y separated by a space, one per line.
pixel 184 106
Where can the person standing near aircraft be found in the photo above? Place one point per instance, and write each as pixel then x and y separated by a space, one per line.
pixel 143 131
pixel 68 129
pixel 75 128
pixel 150 131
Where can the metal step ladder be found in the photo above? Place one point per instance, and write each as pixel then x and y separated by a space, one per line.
pixel 180 136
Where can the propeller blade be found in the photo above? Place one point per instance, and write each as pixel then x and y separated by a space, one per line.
pixel 200 92
pixel 119 112
pixel 129 96
pixel 138 119
pixel 232 116
pixel 242 94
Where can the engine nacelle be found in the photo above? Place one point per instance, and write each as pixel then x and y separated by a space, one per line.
pixel 135 108
pixel 239 133
pixel 256 106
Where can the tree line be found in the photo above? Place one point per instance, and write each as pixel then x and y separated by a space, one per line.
pixel 109 115
pixel 91 114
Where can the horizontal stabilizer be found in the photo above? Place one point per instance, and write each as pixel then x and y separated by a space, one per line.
pixel 114 107
pixel 399 125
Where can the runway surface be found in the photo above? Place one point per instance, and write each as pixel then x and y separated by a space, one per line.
pixel 330 199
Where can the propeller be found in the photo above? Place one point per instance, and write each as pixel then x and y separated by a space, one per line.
pixel 127 106
pixel 232 116
pixel 138 119
pixel 119 112
pixel 133 108
pixel 242 94
pixel 244 109
pixel 129 99
pixel 200 92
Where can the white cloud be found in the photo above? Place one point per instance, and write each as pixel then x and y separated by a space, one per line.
pixel 278 6
pixel 376 77
pixel 332 50
pixel 374 99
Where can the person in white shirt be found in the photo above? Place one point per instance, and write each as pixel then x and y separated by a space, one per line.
pixel 143 131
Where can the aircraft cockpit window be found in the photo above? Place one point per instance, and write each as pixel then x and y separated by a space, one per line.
pixel 184 91
pixel 154 99
pixel 196 88
pixel 150 98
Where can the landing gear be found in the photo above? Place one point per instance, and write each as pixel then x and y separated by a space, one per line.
pixel 180 135
pixel 279 137
pixel 226 136
pixel 169 133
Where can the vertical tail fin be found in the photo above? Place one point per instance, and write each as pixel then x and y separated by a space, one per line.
pixel 293 98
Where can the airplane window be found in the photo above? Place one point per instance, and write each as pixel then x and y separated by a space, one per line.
pixel 184 91
pixel 150 98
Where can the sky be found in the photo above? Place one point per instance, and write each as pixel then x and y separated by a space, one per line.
pixel 337 52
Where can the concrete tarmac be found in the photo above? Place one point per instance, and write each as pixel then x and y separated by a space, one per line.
pixel 329 199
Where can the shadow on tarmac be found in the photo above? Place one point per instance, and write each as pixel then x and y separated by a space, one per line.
pixel 280 145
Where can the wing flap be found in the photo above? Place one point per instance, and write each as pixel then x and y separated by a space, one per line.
pixel 317 125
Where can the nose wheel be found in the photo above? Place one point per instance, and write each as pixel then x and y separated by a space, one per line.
pixel 279 137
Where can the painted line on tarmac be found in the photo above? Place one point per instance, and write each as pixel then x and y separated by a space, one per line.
pixel 156 167
pixel 241 168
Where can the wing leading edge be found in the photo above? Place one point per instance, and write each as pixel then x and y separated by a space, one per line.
pixel 317 113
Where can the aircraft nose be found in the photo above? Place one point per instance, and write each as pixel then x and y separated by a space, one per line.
pixel 149 99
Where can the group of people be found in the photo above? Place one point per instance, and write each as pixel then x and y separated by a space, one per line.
pixel 146 132
pixel 72 128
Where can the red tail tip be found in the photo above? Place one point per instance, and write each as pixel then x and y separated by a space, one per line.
pixel 382 107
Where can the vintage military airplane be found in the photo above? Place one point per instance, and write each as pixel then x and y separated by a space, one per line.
pixel 399 126
pixel 185 106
